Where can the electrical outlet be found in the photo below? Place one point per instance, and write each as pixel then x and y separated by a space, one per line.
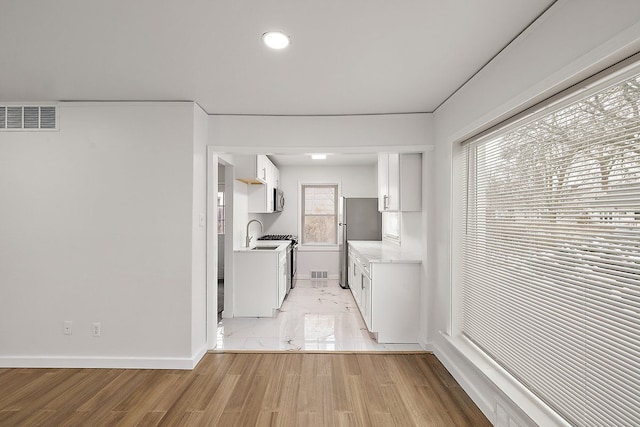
pixel 96 329
pixel 67 327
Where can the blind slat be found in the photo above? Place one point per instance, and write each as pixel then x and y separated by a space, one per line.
pixel 551 254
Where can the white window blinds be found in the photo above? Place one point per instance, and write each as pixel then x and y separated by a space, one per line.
pixel 551 254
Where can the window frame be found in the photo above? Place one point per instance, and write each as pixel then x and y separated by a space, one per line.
pixel 533 405
pixel 301 187
pixel 387 235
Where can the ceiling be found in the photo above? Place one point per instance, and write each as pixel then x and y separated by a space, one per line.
pixel 346 57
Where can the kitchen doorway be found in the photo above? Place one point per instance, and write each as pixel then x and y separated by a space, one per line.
pixel 220 229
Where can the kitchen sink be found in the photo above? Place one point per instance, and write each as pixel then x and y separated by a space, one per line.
pixel 264 248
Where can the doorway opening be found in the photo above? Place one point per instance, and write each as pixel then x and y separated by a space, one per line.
pixel 220 229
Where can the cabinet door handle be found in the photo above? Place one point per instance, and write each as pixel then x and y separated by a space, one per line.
pixel 264 173
pixel 385 202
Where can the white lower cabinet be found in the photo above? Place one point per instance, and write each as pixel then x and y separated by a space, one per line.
pixel 282 277
pixel 395 296
pixel 387 295
pixel 355 277
pixel 259 282
pixel 365 297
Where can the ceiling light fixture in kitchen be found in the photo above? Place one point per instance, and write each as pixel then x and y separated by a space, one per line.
pixel 318 157
pixel 276 39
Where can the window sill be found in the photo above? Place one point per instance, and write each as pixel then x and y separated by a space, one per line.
pixel 529 403
pixel 394 240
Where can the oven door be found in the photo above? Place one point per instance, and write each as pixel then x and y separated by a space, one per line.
pixel 289 268
pixel 294 262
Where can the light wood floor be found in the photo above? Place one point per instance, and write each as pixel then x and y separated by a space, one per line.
pixel 287 389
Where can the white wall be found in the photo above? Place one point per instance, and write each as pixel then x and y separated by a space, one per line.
pixel 199 236
pixel 574 39
pixel 281 134
pixel 96 225
pixel 355 181
pixel 240 214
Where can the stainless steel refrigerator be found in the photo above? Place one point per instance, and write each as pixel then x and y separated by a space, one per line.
pixel 358 219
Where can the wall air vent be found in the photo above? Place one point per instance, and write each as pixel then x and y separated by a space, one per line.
pixel 28 117
pixel 319 274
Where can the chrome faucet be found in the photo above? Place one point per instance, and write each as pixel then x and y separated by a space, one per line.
pixel 248 224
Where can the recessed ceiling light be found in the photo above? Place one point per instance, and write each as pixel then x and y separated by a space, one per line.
pixel 276 39
pixel 318 156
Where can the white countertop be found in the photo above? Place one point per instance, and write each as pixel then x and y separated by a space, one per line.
pixel 281 244
pixel 381 252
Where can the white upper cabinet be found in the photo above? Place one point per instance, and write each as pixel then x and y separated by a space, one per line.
pixel 261 175
pixel 262 168
pixel 383 181
pixel 399 182
pixel 252 169
pixel 393 182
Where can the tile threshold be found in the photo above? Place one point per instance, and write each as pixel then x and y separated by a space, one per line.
pixel 364 352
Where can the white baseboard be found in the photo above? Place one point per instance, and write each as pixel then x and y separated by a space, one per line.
pixel 426 346
pixel 183 363
pixel 482 400
pixel 197 357
pixel 503 400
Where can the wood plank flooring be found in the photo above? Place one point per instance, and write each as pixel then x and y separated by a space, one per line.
pixel 277 389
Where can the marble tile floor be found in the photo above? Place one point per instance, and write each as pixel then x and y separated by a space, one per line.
pixel 317 315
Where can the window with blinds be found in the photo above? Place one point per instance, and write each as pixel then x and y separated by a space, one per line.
pixel 551 253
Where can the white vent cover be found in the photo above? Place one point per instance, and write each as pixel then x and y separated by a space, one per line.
pixel 28 117
pixel 319 274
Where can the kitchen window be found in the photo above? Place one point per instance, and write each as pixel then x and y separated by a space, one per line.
pixel 319 216
pixel 391 226
pixel 550 275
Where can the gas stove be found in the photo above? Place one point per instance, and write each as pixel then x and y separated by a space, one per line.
pixel 291 237
pixel 293 253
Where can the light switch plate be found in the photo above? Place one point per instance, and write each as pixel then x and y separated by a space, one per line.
pixel 96 329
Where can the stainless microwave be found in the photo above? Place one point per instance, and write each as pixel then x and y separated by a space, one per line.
pixel 278 200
